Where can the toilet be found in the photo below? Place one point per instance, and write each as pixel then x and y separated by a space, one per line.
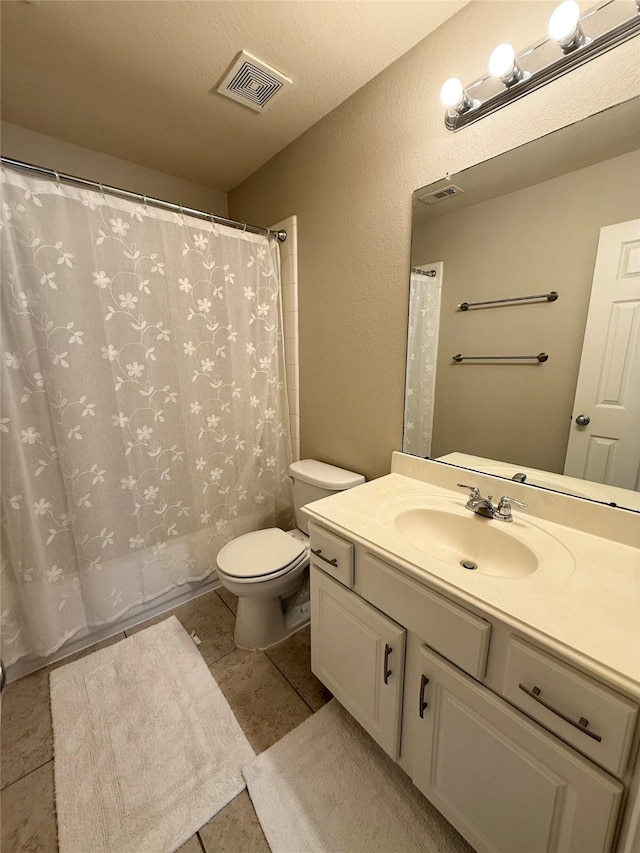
pixel 267 569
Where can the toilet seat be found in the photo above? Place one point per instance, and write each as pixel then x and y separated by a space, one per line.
pixel 262 555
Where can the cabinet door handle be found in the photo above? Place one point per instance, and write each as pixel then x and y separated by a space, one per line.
pixel 423 702
pixel 387 671
pixel 319 553
pixel 581 724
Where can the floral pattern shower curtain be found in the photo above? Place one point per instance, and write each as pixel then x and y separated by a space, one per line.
pixel 422 354
pixel 143 413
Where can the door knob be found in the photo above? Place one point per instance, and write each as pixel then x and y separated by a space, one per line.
pixel 583 420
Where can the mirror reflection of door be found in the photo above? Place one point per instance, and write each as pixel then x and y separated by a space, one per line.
pixel 604 442
pixel 422 350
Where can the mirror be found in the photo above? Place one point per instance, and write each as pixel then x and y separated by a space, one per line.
pixel 546 388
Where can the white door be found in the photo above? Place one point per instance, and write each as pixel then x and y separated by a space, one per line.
pixel 502 781
pixel 358 653
pixel 604 443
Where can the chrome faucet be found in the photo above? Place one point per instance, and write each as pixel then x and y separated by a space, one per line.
pixel 485 506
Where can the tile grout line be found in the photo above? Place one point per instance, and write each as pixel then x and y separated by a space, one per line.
pixel 28 773
pixel 222 657
pixel 267 655
pixel 290 683
pixel 224 602
pixel 277 668
pixel 200 841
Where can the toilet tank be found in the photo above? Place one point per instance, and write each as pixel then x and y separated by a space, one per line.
pixel 313 480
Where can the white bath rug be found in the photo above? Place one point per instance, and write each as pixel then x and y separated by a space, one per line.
pixel 328 788
pixel 146 747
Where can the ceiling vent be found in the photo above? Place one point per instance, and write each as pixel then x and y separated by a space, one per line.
pixel 440 195
pixel 252 82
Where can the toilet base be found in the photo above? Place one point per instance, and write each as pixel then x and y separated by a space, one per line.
pixel 262 623
pixel 259 622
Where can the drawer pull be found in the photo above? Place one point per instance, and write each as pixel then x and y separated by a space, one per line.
pixel 582 723
pixel 319 553
pixel 387 671
pixel 423 702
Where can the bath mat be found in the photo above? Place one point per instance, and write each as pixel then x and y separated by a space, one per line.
pixel 327 786
pixel 146 747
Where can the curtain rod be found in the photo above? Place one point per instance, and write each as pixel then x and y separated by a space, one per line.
pixel 281 236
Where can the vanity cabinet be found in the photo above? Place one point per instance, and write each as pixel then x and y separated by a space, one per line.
pixel 413 666
pixel 358 653
pixel 458 635
pixel 501 780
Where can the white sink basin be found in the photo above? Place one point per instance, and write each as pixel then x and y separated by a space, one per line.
pixel 444 530
pixel 474 540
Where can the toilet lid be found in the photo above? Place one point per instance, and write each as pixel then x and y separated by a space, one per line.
pixel 260 553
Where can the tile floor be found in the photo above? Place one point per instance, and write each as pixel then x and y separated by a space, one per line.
pixel 270 693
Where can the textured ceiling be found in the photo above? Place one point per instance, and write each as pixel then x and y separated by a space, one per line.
pixel 137 79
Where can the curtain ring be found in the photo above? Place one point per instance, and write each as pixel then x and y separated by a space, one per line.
pixel 244 228
pixel 57 174
pixel 144 202
pixel 104 198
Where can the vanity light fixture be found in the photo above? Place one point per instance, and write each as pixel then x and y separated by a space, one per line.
pixel 572 40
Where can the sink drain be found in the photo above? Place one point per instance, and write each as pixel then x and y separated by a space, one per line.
pixel 468 564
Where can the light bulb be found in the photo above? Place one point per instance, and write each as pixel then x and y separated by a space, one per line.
pixel 452 93
pixel 564 26
pixel 563 21
pixel 502 62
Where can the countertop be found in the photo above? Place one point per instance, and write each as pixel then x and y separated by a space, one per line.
pixel 590 615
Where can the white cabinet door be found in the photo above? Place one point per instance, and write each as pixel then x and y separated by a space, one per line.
pixel 503 782
pixel 359 654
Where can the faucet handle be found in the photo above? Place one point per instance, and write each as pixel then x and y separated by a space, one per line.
pixel 475 491
pixel 503 512
pixel 505 499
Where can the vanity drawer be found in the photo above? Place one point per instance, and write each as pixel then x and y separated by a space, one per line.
pixel 332 554
pixel 458 635
pixel 593 718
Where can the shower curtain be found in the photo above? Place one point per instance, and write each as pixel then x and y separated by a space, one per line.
pixel 143 412
pixel 422 354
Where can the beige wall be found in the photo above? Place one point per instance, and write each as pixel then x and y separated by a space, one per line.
pixel 520 413
pixel 350 178
pixel 20 143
